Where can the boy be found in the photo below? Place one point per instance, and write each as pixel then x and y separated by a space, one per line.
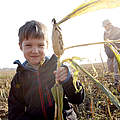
pixel 30 96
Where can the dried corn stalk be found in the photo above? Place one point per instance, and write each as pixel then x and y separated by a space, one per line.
pixel 57 90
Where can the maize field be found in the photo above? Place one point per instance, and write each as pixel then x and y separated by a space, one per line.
pixel 5 81
pixel 96 105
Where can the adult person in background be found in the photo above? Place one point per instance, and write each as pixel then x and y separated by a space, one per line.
pixel 112 33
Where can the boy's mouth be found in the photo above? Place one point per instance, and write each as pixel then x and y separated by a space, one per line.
pixel 34 56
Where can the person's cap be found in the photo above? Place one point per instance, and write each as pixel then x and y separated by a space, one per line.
pixel 106 22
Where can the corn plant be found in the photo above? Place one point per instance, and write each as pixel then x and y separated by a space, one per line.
pixel 58 48
pixel 57 89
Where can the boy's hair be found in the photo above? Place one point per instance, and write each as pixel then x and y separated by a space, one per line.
pixel 32 29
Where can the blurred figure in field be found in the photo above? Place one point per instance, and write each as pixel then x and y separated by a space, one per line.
pixel 112 33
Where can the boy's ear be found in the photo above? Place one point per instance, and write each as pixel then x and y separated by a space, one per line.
pixel 20 45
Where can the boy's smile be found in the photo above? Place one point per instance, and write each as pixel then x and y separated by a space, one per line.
pixel 34 50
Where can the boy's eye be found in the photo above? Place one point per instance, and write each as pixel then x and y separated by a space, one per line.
pixel 41 46
pixel 28 45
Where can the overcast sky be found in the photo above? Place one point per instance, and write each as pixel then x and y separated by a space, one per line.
pixel 86 28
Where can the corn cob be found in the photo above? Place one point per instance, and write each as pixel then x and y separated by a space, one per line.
pixel 57 41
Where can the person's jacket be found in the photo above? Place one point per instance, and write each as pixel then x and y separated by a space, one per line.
pixel 113 34
pixel 30 96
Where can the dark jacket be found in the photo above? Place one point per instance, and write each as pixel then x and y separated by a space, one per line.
pixel 113 34
pixel 30 96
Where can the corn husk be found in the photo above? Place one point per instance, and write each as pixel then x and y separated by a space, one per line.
pixel 57 41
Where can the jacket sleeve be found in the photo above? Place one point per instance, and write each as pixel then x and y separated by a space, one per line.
pixel 16 106
pixel 69 90
pixel 105 36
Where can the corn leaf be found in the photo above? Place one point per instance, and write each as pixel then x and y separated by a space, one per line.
pixel 57 92
pixel 75 76
pixel 116 53
pixel 90 6
pixel 112 98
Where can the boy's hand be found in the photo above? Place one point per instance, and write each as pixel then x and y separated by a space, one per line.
pixel 61 74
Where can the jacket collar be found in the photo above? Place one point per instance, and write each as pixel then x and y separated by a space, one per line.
pixel 49 62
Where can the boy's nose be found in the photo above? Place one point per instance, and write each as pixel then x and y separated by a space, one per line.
pixel 35 50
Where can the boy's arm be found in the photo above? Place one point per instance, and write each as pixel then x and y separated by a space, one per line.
pixel 16 107
pixel 63 76
pixel 69 89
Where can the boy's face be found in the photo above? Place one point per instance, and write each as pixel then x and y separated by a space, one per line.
pixel 33 50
